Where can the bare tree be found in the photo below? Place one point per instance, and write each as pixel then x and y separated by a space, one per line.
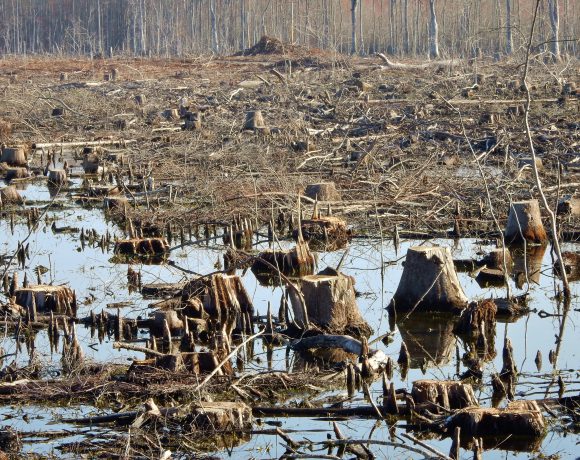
pixel 509 46
pixel 554 11
pixel 433 32
pixel 353 24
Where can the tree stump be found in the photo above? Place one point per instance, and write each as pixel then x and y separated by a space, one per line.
pixel 92 163
pixel 571 265
pixel 429 282
pixel 9 195
pixel 115 202
pixel 57 177
pixel 142 247
pixel 447 394
pixel 331 304
pixel 323 191
pixel 493 273
pixel 16 173
pixel 140 99
pixel 569 206
pixel 254 121
pixel 325 233
pixel 531 260
pixel 474 315
pixel 529 162
pixel 525 223
pixel 222 416
pixel 47 298
pixel 13 156
pixel 295 262
pixel 516 420
pixel 192 121
pixel 171 114
pixel 160 318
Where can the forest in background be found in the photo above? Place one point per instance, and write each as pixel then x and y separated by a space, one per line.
pixel 192 27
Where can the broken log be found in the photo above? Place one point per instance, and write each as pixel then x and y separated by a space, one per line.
pixel 525 223
pixel 323 191
pixel 192 121
pixel 434 395
pixel 16 173
pixel 428 283
pixel 14 156
pixel 331 304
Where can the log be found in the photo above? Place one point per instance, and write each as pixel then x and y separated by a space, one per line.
pixel 569 206
pixel 70 145
pixel 9 195
pixel 515 420
pixel 323 191
pixel 57 177
pixel 14 156
pixel 525 223
pixel 428 283
pixel 47 298
pixel 142 247
pixel 447 394
pixel 162 290
pixel 571 265
pixel 331 304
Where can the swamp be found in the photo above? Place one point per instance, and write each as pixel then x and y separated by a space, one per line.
pixel 289 254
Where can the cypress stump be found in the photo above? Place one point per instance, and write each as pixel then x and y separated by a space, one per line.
pixel 323 191
pixel 9 195
pixel 429 282
pixel 14 156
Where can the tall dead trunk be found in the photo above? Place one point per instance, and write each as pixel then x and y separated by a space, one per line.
pixel 353 24
pixel 406 26
pixel 214 33
pixel 433 32
pixel 554 11
pixel 509 46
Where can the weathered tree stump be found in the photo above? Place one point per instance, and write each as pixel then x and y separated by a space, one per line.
pixel 474 315
pixel 571 265
pixel 222 416
pixel 493 271
pixel 57 177
pixel 254 121
pixel 14 156
pixel 295 262
pixel 171 114
pixel 17 173
pixel 323 191
pixel 9 195
pixel 326 233
pixel 525 223
pixel 330 301
pixel 92 163
pixel 157 324
pixel 47 298
pixel 515 420
pixel 192 121
pixel 569 206
pixel 142 247
pixel 429 282
pixel 446 394
pixel 115 202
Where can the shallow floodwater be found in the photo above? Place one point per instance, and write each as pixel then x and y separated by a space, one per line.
pixel 376 266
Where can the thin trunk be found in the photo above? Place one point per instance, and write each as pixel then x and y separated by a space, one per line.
pixel 406 26
pixel 353 24
pixel 555 26
pixel 214 32
pixel 433 32
pixel 509 46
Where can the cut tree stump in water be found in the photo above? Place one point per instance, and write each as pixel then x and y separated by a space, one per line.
pixel 327 233
pixel 571 265
pixel 142 247
pixel 13 156
pixel 516 419
pixel 57 177
pixel 474 315
pixel 331 304
pixel 429 282
pixel 9 195
pixel 92 162
pixel 47 298
pixel 295 262
pixel 323 191
pixel 16 173
pixel 446 394
pixel 529 258
pixel 525 223
pixel 222 416
pixel 161 318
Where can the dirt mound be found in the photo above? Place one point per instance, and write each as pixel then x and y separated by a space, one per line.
pixel 269 45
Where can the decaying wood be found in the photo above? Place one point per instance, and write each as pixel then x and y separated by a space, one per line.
pixel 429 282
pixel 569 206
pixel 57 177
pixel 47 298
pixel 331 304
pixel 525 223
pixel 477 313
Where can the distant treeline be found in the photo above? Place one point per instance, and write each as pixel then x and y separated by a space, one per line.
pixel 181 27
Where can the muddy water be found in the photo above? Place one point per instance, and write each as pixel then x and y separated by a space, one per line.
pixel 101 284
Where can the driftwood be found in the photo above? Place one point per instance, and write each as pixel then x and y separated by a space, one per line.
pixel 71 145
pixel 429 282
